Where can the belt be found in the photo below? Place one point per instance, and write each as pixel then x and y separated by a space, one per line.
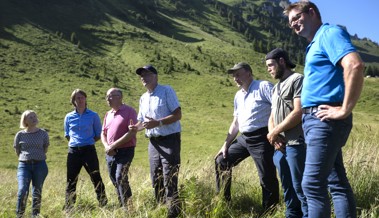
pixel 31 161
pixel 82 148
pixel 124 149
pixel 260 131
pixel 310 110
pixel 159 138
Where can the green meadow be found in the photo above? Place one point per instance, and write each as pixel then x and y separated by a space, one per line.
pixel 49 49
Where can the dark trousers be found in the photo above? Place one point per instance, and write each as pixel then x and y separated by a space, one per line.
pixel 257 146
pixel 118 169
pixel 76 159
pixel 164 157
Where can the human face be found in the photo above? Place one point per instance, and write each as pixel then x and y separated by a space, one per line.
pixel 274 68
pixel 297 21
pixel 80 101
pixel 242 78
pixel 148 78
pixel 113 98
pixel 31 120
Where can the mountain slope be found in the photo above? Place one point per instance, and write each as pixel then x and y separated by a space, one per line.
pixel 48 48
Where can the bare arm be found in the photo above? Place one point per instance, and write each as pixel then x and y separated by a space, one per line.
pixel 107 149
pixel 125 138
pixel 16 146
pixel 104 139
pixel 353 68
pixel 271 137
pixel 173 117
pixel 291 120
pixel 271 124
pixel 17 151
pixel 232 134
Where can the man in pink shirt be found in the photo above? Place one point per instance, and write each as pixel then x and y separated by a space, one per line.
pixel 119 143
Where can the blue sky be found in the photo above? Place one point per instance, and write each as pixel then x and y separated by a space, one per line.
pixel 360 17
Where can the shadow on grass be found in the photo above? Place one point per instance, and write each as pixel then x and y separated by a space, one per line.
pixel 247 205
pixel 199 199
pixel 366 191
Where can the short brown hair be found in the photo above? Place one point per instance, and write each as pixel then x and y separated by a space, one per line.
pixel 303 6
pixel 76 91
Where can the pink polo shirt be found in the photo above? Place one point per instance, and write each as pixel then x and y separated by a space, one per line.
pixel 116 124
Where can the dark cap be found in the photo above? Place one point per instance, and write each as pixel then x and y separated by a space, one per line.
pixel 280 53
pixel 148 67
pixel 238 66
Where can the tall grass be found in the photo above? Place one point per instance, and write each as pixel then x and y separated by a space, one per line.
pixel 362 161
pixel 39 70
pixel 197 187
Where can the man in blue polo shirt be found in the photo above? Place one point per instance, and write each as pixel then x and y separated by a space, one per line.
pixel 333 81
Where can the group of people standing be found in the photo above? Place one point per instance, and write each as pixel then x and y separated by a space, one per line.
pixel 296 128
pixel 309 123
pixel 159 113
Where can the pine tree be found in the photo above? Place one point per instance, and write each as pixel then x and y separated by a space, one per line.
pixel 369 71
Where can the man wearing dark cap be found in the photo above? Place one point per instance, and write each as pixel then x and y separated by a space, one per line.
pixel 252 106
pixel 159 113
pixel 285 131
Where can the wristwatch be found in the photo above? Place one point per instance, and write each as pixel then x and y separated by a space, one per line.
pixel 160 123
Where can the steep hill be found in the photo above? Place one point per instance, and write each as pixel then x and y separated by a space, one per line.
pixel 48 48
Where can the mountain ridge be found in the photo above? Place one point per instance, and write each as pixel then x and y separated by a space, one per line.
pixel 100 43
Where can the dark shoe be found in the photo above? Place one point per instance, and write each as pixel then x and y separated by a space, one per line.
pixel 173 212
pixel 36 213
pixel 103 202
pixel 173 209
pixel 128 205
pixel 68 209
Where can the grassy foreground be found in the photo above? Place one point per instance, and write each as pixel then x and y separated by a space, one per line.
pixel 196 183
pixel 41 62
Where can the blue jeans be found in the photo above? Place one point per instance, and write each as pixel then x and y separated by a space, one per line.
pixel 36 173
pixel 290 168
pixel 118 169
pixel 324 167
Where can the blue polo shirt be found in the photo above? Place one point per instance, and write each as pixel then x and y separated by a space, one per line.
pixel 323 76
pixel 82 128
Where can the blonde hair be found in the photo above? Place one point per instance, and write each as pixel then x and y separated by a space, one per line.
pixel 23 116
